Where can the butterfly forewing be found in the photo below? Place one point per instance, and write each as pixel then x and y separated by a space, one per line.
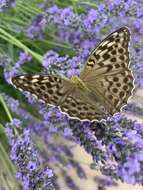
pixel 51 89
pixel 110 56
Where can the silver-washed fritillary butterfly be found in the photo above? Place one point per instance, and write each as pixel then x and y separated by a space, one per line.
pixel 102 89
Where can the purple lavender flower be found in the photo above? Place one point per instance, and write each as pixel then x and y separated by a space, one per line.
pixel 64 16
pixel 52 61
pixel 118 136
pixel 12 71
pixel 25 156
pixel 139 11
pixel 90 20
pixel 113 144
pixel 67 131
pixel 16 122
pixel 134 108
pixel 16 108
pixel 6 4
pixel 36 30
pixel 31 166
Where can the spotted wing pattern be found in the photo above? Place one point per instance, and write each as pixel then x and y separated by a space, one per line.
pixel 76 103
pixel 106 75
pixel 110 56
pixel 51 89
pixel 114 90
pixel 83 105
pixel 107 72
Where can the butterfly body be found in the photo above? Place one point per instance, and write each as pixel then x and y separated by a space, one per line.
pixel 102 89
pixel 78 83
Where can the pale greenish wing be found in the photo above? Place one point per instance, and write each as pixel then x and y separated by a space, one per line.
pixel 83 105
pixel 113 91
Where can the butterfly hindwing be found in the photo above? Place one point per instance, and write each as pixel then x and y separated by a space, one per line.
pixel 83 106
pixel 113 90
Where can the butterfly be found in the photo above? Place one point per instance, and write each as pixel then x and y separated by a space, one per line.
pixel 102 89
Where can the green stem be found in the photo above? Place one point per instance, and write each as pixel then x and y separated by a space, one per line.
pixel 59 45
pixel 26 11
pixel 86 3
pixel 18 43
pixel 13 19
pixel 7 112
pixel 29 8
pixel 59 42
pixel 6 109
pixel 74 6
pixel 8 28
